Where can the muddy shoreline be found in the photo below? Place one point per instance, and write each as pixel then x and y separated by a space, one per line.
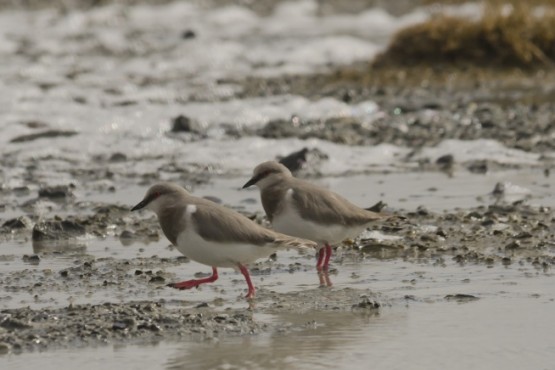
pixel 498 235
pixel 78 270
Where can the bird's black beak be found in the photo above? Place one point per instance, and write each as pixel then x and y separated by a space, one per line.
pixel 251 182
pixel 141 204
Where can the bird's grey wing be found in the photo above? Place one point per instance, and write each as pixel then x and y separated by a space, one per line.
pixel 315 203
pixel 220 224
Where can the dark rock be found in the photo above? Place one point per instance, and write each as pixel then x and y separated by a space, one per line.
pixel 183 123
pixel 126 234
pixel 377 207
pixel 118 157
pixel 149 326
pixel 21 190
pixel 17 223
pixel 56 192
pixel 4 348
pixel 43 135
pixel 188 34
pixel 295 160
pixel 32 259
pixel 303 159
pixel 513 245
pixel 446 160
pixel 282 128
pixel 124 324
pixel 523 235
pixel 366 304
pixel 442 233
pixel 461 297
pixel 478 167
pixel 157 280
pixel 422 211
pixel 506 261
pixel 36 124
pixel 52 230
pixel 13 324
pixel 499 189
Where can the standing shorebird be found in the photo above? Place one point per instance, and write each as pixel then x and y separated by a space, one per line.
pixel 211 234
pixel 301 209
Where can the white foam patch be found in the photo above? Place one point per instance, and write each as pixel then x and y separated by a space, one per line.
pixel 377 235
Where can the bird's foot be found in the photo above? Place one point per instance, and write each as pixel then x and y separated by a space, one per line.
pixel 188 284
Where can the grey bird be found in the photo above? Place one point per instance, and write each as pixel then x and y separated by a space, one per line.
pixel 298 208
pixel 212 234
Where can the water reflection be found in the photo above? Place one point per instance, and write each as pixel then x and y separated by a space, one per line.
pixel 317 338
pixel 324 278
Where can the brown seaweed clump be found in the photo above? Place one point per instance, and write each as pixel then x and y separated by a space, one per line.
pixel 516 35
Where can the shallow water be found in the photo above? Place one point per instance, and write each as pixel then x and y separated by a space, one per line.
pixel 507 327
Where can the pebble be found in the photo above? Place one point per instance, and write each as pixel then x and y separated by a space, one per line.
pixel 53 230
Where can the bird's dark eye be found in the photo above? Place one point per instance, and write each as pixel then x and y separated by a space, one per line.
pixel 156 195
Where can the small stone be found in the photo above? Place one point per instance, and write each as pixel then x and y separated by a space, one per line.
pixel 32 259
pixel 499 189
pixel 157 280
pixel 478 167
pixel 55 192
pixel 183 123
pixel 295 160
pixel 13 324
pixel 54 230
pixel 149 326
pixel 513 245
pixel 377 207
pixel 442 233
pixel 4 348
pixel 188 34
pixel 17 223
pixel 42 135
pixel 118 157
pixel 523 235
pixel 446 161
pixel 366 304
pixel 124 324
pixel 422 211
pixel 461 297
pixel 126 234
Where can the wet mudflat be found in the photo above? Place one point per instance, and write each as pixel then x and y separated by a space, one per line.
pixel 423 281
pixel 108 100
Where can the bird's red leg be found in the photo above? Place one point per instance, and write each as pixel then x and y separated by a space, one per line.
pixel 328 256
pixel 188 284
pixel 247 276
pixel 321 254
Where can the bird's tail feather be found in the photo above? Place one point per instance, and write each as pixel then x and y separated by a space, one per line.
pixel 297 243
